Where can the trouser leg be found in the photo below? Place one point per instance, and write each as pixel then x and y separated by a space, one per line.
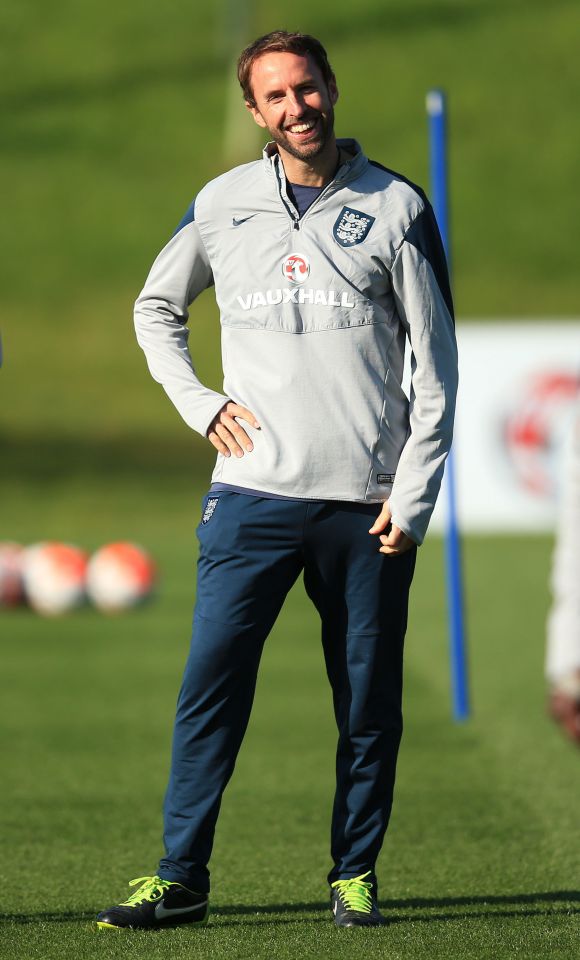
pixel 362 598
pixel 563 649
pixel 249 559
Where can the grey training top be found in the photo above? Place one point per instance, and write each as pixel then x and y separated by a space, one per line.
pixel 315 312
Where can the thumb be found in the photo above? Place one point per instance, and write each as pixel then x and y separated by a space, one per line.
pixel 383 519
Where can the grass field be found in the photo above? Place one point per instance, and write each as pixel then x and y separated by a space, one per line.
pixel 113 117
pixel 481 859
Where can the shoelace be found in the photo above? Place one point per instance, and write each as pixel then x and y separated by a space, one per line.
pixel 151 889
pixel 355 894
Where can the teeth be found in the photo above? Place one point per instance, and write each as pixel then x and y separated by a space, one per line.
pixel 301 127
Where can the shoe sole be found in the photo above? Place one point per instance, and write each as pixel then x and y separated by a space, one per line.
pixel 102 925
pixel 352 926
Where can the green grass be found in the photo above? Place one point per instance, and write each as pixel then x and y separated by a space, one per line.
pixel 113 117
pixel 481 857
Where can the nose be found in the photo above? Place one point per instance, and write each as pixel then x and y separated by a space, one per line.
pixel 295 104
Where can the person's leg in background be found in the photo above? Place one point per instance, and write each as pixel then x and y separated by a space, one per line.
pixel 563 647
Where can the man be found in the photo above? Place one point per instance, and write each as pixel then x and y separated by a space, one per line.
pixel 563 647
pixel 323 264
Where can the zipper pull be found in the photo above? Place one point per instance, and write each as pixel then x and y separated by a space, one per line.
pixel 297 224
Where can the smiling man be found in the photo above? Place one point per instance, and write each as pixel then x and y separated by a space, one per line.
pixel 325 264
pixel 293 98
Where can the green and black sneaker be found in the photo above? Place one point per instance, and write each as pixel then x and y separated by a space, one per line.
pixel 157 903
pixel 353 903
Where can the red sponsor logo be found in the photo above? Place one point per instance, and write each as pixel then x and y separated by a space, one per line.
pixel 296 268
pixel 534 431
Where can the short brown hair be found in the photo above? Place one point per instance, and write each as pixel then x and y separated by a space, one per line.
pixel 280 41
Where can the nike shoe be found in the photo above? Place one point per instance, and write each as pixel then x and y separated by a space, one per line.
pixel 157 903
pixel 353 903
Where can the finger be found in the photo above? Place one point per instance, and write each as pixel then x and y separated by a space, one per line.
pixel 229 440
pixel 218 444
pixel 382 521
pixel 396 539
pixel 391 551
pixel 398 536
pixel 380 524
pixel 238 432
pixel 395 551
pixel 391 545
pixel 387 551
pixel 395 545
pixel 236 410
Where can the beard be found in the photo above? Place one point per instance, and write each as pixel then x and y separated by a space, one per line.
pixel 310 149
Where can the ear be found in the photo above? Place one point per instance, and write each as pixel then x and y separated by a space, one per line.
pixel 333 90
pixel 256 115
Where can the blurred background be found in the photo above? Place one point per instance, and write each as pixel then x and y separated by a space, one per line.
pixel 114 115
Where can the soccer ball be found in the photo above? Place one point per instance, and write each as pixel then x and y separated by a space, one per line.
pixel 11 589
pixel 54 577
pixel 120 575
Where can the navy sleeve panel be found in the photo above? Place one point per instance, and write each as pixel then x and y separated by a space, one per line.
pixel 188 217
pixel 399 176
pixel 424 235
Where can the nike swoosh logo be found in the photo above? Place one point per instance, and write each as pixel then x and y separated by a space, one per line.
pixel 238 222
pixel 335 908
pixel 161 912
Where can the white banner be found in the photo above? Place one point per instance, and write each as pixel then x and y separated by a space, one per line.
pixel 518 386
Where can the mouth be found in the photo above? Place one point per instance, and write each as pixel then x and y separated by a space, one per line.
pixel 303 130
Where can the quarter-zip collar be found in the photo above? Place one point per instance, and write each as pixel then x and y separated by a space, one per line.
pixel 354 162
pixel 353 167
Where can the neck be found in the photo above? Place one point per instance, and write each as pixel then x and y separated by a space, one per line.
pixel 311 173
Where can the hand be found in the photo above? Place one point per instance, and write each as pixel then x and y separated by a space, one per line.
pixel 394 541
pixel 225 433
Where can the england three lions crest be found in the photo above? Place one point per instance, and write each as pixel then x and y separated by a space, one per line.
pixel 352 227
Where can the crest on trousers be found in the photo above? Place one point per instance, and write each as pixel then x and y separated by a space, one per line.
pixel 209 509
pixel 352 227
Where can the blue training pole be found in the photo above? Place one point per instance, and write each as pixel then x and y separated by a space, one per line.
pixel 436 110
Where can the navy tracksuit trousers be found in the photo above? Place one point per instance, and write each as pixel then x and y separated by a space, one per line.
pixel 252 550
